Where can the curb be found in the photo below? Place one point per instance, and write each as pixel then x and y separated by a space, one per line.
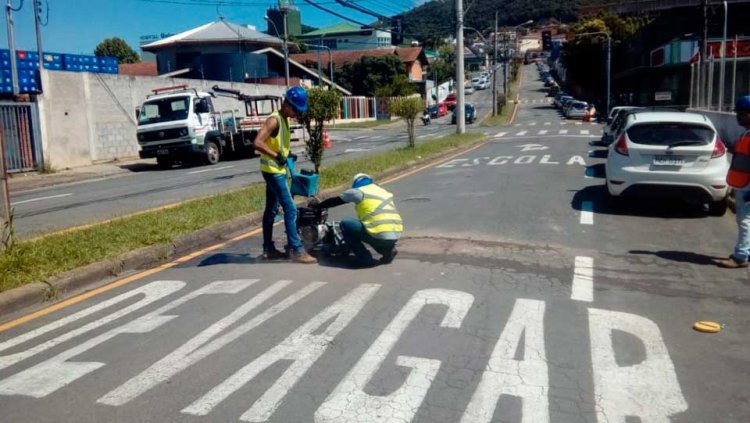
pixel 64 285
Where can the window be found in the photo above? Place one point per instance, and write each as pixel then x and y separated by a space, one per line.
pixel 164 110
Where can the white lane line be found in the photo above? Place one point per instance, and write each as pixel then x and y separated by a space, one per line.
pixel 213 169
pixel 354 150
pixel 423 136
pixel 587 213
pixel 583 280
pixel 532 124
pixel 542 132
pixel 360 138
pixel 522 133
pixel 579 123
pixel 547 123
pixel 500 134
pixel 585 132
pixel 563 123
pixel 40 199
pixel 563 131
pixel 517 125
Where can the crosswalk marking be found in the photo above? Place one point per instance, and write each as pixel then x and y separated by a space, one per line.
pixel 563 131
pixel 584 131
pixel 542 132
pixel 520 134
pixel 532 124
pixel 547 123
pixel 500 134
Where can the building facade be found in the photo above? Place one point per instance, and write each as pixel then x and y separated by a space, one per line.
pixel 348 37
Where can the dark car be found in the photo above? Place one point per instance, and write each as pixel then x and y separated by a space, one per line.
pixel 471 114
pixel 450 101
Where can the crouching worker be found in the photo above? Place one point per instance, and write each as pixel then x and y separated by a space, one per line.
pixel 379 224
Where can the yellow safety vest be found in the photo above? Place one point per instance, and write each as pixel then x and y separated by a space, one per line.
pixel 281 142
pixel 377 212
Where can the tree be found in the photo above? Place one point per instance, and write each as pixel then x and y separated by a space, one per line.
pixel 407 109
pixel 400 87
pixel 117 47
pixel 370 73
pixel 322 106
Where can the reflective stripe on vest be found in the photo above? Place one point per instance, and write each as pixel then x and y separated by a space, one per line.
pixel 278 143
pixel 377 212
pixel 739 171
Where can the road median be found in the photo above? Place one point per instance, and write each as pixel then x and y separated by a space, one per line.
pixel 53 266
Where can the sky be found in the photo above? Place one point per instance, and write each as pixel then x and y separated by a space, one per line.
pixel 77 26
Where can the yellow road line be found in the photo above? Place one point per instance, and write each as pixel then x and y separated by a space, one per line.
pixel 132 278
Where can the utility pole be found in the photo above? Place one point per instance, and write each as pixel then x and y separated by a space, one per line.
pixel 609 75
pixel 494 71
pixel 5 210
pixel 460 112
pixel 11 46
pixel 722 72
pixel 38 23
pixel 286 42
pixel 703 74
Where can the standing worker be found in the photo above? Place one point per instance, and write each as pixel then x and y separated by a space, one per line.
pixel 273 142
pixel 739 178
pixel 379 223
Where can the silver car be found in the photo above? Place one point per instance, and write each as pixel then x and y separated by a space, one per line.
pixel 576 110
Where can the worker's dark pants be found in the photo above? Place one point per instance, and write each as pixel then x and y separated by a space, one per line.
pixel 355 236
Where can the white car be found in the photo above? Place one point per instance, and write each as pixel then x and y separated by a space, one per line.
pixel 669 154
pixel 608 132
pixel 468 89
pixel 576 110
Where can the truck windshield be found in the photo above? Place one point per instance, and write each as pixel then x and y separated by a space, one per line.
pixel 164 110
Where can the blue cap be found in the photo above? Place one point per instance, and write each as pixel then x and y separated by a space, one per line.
pixel 743 104
pixel 297 97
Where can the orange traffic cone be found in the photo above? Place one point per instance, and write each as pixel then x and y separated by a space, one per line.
pixel 327 141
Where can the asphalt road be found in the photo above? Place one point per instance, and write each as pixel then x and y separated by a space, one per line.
pixel 517 295
pixel 145 187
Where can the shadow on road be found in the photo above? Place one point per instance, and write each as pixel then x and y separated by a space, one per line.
pixel 596 171
pixel 638 207
pixel 598 154
pixel 232 258
pixel 681 256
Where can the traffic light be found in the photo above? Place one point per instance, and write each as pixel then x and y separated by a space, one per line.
pixel 546 40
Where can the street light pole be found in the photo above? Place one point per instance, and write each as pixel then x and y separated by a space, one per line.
pixel 494 71
pixel 11 46
pixel 609 66
pixel 460 108
pixel 722 72
pixel 38 24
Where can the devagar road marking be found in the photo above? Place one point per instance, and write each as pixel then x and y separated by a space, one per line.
pixel 583 280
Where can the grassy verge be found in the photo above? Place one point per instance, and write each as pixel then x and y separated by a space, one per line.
pixel 503 117
pixel 364 125
pixel 41 258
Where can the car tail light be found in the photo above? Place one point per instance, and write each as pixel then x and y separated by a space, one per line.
pixel 719 149
pixel 622 146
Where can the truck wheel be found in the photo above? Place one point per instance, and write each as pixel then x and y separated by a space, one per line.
pixel 164 162
pixel 212 153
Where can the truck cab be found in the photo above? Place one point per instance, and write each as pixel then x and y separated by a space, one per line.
pixel 173 123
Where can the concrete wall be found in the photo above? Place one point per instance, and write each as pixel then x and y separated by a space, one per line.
pixel 89 118
pixel 726 123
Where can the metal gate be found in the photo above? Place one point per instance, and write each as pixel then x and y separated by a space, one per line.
pixel 19 123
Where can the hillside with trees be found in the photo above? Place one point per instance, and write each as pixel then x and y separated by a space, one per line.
pixel 435 20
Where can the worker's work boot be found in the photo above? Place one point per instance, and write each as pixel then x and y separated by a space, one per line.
pixel 388 256
pixel 274 254
pixel 303 257
pixel 732 263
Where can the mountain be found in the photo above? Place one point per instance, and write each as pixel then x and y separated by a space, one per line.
pixel 436 19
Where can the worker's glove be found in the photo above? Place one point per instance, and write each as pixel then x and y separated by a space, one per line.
pixel 281 160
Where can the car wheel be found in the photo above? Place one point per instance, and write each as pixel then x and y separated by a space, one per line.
pixel 717 208
pixel 213 153
pixel 164 162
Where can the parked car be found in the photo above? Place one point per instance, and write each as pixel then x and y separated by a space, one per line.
pixel 669 154
pixel 608 132
pixel 475 81
pixel 576 110
pixel 471 114
pixel 553 90
pixel 468 89
pixel 565 103
pixel 560 100
pixel 450 101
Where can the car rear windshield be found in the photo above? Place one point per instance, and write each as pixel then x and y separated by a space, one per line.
pixel 670 134
pixel 578 106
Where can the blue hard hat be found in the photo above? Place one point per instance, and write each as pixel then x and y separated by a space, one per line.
pixel 360 180
pixel 743 104
pixel 297 97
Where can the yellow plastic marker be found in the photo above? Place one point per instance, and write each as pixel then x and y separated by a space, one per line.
pixel 706 326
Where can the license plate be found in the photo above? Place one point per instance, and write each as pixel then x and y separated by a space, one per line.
pixel 162 151
pixel 669 161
